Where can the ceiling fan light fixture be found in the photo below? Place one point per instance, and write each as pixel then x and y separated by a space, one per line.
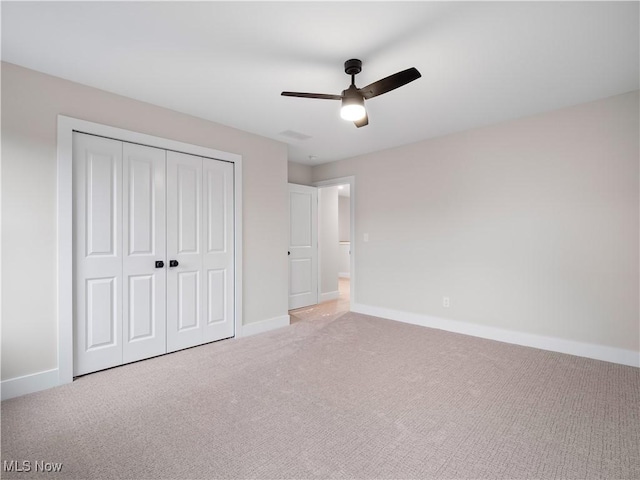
pixel 352 108
pixel 353 97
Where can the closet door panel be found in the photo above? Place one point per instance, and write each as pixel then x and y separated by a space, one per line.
pixel 184 246
pixel 218 255
pixel 144 237
pixel 97 233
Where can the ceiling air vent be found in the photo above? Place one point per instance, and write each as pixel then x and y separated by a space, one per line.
pixel 295 135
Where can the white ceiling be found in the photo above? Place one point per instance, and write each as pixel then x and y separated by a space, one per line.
pixel 481 62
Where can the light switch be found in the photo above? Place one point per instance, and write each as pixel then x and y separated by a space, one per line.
pixel 366 237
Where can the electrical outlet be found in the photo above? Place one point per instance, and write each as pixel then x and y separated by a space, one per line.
pixel 445 302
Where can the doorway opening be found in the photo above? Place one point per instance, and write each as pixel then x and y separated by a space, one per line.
pixel 335 258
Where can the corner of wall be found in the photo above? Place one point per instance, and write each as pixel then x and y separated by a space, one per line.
pixel 265 325
pixel 299 173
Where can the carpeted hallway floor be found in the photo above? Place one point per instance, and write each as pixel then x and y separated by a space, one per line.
pixel 339 397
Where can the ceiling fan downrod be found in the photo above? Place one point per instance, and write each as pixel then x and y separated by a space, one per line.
pixel 353 67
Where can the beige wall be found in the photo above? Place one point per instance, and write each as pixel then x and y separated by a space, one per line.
pixel 299 173
pixel 530 225
pixel 30 104
pixel 344 218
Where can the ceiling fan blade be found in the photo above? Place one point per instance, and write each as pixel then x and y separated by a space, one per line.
pixel 323 96
pixel 363 122
pixel 390 83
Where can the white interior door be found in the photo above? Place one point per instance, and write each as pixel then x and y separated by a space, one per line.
pixel 200 284
pixel 185 310
pixel 144 239
pixel 218 252
pixel 97 225
pixel 303 246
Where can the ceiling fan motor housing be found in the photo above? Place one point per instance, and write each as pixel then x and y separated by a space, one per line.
pixel 353 66
pixel 352 91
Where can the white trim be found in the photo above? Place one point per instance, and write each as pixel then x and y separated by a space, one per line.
pixel 554 344
pixel 65 250
pixel 66 127
pixel 15 387
pixel 344 275
pixel 325 297
pixel 351 181
pixel 237 215
pixel 265 325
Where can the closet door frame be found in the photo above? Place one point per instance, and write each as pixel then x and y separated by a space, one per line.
pixel 66 127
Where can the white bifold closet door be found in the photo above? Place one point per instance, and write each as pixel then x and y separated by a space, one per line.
pixel 97 178
pixel 144 235
pixel 200 242
pixel 136 209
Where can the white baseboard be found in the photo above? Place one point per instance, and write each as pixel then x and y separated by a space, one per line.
pixel 554 344
pixel 265 325
pixel 325 297
pixel 344 274
pixel 16 387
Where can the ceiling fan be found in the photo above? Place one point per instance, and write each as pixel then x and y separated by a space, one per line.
pixel 353 97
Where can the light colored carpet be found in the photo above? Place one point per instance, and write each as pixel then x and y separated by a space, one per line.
pixel 346 397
